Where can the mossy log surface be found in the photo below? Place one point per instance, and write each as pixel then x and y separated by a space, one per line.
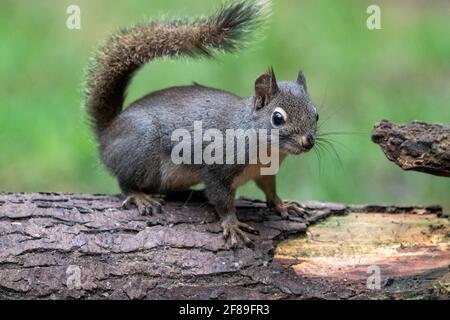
pixel 59 246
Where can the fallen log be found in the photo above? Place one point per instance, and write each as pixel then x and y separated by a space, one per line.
pixel 417 146
pixel 60 246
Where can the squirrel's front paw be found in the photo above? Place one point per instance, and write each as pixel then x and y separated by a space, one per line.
pixel 233 231
pixel 288 209
pixel 145 203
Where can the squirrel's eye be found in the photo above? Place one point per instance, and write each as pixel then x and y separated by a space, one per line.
pixel 317 117
pixel 278 119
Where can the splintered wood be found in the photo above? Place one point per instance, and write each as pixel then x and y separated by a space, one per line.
pixel 416 146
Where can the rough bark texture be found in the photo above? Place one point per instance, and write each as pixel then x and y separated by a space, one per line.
pixel 82 246
pixel 417 146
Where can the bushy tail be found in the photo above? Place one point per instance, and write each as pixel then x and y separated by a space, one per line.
pixel 122 55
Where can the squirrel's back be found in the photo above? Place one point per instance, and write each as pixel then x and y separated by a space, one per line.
pixel 121 56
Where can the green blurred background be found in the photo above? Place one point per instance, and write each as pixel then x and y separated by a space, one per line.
pixel 355 76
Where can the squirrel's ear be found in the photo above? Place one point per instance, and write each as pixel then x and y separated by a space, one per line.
pixel 301 80
pixel 265 88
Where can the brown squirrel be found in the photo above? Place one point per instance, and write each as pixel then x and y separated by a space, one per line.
pixel 135 143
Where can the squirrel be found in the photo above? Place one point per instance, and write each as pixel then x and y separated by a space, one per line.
pixel 135 144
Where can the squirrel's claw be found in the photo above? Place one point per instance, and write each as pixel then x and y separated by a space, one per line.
pixel 145 204
pixel 247 228
pixel 233 231
pixel 287 209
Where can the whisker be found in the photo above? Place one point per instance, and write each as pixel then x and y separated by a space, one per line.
pixel 326 145
pixel 322 122
pixel 320 149
pixel 339 143
pixel 319 160
pixel 339 133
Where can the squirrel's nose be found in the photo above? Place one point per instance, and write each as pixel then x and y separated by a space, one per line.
pixel 308 141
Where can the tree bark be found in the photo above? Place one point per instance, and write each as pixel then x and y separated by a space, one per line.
pixel 60 246
pixel 417 146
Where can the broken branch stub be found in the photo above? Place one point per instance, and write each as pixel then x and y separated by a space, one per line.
pixel 416 146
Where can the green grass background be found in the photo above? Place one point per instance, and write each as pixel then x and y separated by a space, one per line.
pixel 356 77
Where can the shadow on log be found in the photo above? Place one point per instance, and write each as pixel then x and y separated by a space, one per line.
pixel 417 146
pixel 83 246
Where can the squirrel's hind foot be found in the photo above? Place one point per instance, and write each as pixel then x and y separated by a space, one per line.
pixel 290 210
pixel 145 203
pixel 234 231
